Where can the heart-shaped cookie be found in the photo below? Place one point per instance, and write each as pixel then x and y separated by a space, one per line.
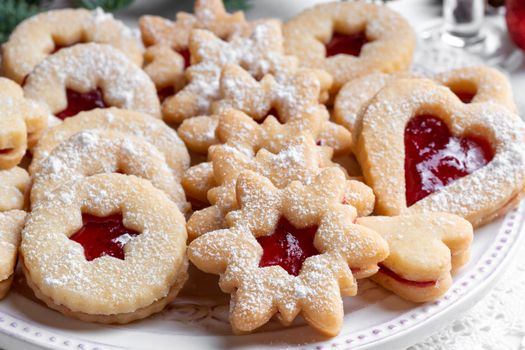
pixel 422 150
pixel 424 249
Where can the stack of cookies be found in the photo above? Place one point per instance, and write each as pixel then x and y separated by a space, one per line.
pixel 292 160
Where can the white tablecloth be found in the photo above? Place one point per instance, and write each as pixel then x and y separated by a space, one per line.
pixel 498 321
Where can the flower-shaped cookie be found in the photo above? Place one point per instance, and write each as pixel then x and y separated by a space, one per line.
pixel 167 55
pixel 424 250
pixel 423 150
pixel 22 121
pixel 11 225
pixel 350 39
pixel 261 53
pixel 299 161
pixel 289 252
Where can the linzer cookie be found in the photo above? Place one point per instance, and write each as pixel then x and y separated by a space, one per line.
pixel 109 248
pixel 423 150
pixel 89 76
pixel 22 121
pixel 14 185
pixel 424 250
pixel 470 85
pixel 168 54
pixel 260 53
pixel 11 224
pixel 93 152
pixel 44 34
pixel 289 252
pixel 350 39
pixel 140 125
pixel 299 161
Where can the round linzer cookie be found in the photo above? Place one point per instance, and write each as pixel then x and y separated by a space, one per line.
pixel 88 76
pixel 470 84
pixel 350 39
pixel 143 126
pixel 22 121
pixel 11 225
pixel 289 251
pixel 14 185
pixel 423 150
pixel 167 55
pixel 93 152
pixel 109 248
pixel 46 33
pixel 425 249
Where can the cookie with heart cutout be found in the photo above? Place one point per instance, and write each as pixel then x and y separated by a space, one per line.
pixel 288 252
pixel 88 76
pixel 240 131
pixel 423 150
pixel 300 160
pixel 22 121
pixel 91 152
pixel 471 84
pixel 143 126
pixel 425 249
pixel 167 54
pixel 11 225
pixel 14 186
pixel 259 53
pixel 48 32
pixel 350 39
pixel 109 248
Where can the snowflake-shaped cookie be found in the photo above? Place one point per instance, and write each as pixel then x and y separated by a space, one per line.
pixel 288 252
pixel 167 54
pixel 260 53
pixel 299 161
pixel 290 98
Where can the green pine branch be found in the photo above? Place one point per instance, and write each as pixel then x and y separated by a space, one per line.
pixel 107 5
pixel 233 5
pixel 13 12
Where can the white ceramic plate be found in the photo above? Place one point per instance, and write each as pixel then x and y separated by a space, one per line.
pixel 374 319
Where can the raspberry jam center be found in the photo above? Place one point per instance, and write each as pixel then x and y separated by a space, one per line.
pixel 346 44
pixel 421 284
pixel 164 93
pixel 288 247
pixel 434 158
pixel 185 53
pixel 81 101
pixel 103 236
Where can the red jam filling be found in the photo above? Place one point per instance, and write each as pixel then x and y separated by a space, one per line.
pixel 421 284
pixel 434 158
pixel 288 247
pixel 464 96
pixel 185 53
pixel 346 44
pixel 81 101
pixel 6 151
pixel 103 236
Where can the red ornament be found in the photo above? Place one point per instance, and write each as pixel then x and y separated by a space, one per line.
pixel 516 21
